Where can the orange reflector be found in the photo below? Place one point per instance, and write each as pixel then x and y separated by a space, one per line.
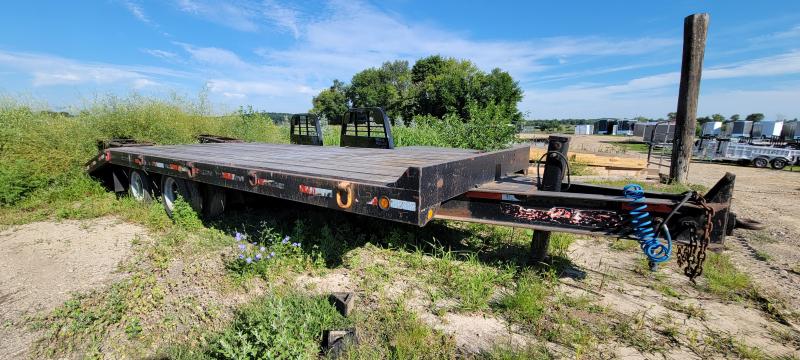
pixel 430 213
pixel 383 203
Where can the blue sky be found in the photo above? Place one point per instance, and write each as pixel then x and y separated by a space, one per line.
pixel 573 59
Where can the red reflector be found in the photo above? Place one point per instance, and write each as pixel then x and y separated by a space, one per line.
pixel 484 195
pixel 228 176
pixel 108 156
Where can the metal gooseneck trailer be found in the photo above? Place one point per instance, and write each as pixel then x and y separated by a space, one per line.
pixel 413 185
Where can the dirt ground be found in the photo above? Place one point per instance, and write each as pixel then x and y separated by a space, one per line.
pixel 43 263
pixel 771 256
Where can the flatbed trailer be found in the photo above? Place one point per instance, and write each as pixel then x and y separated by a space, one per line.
pixel 413 185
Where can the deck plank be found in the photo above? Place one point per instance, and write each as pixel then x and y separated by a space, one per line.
pixel 383 166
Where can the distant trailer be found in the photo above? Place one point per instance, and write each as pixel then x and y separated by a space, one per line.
pixel 791 130
pixel 584 129
pixel 713 128
pixel 767 129
pixel 659 133
pixel 759 156
pixel 742 129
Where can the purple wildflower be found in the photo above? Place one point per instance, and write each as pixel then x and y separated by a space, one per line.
pixel 286 240
pixel 242 247
pixel 239 236
pixel 272 254
pixel 258 256
pixel 262 249
pixel 248 260
pixel 296 244
pixel 241 256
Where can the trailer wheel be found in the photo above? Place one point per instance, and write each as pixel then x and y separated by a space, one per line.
pixel 779 163
pixel 760 162
pixel 172 187
pixel 216 201
pixel 140 186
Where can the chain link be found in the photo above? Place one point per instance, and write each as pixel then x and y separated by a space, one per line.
pixel 693 255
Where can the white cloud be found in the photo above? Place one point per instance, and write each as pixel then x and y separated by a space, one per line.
pixel 282 16
pixel 650 95
pixel 47 70
pixel 275 87
pixel 235 16
pixel 143 83
pixel 213 56
pixel 136 10
pixel 163 54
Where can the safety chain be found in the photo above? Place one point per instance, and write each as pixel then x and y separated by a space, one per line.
pixel 694 254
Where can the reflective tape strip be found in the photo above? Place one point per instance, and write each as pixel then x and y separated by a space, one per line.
pixel 402 205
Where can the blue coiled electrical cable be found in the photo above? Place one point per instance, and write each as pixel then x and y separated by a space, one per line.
pixel 655 250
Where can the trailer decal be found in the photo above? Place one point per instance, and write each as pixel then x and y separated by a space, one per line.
pixel 254 180
pixel 158 164
pixel 232 177
pixel 315 191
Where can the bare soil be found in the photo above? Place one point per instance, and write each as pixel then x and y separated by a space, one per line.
pixel 43 263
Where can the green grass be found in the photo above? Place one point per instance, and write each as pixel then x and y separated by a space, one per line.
pixel 763 255
pixel 633 146
pixel 624 245
pixel 528 300
pixel 41 163
pixel 283 324
pixel 518 353
pixel 725 280
pixel 390 331
pixel 650 186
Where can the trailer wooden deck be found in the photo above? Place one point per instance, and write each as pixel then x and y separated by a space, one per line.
pixel 414 180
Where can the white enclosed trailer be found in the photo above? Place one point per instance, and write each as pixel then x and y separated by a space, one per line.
pixel 759 156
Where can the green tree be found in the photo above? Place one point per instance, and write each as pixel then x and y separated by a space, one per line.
pixel 331 103
pixel 755 117
pixel 386 87
pixel 672 116
pixel 734 117
pixel 443 86
pixel 717 117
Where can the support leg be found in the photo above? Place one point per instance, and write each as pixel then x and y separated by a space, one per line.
pixel 551 181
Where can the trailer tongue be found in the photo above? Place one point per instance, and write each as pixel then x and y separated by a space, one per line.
pixel 415 185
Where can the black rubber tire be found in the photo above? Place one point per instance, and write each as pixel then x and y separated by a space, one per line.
pixel 779 164
pixel 760 162
pixel 188 190
pixel 140 186
pixel 216 200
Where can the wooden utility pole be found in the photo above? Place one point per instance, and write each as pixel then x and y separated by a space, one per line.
pixel 695 28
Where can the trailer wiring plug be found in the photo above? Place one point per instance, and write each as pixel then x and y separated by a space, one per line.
pixel 655 250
